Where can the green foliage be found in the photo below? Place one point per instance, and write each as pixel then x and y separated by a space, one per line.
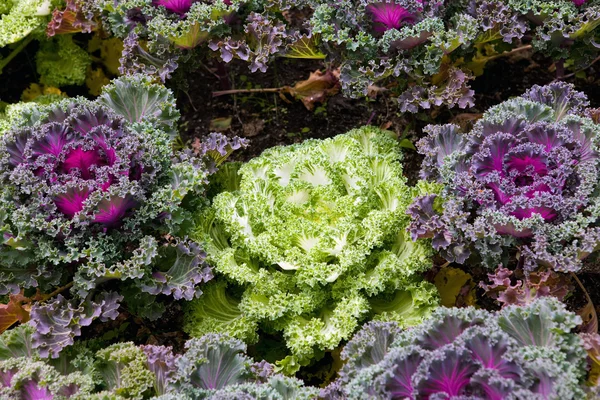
pixel 60 62
pixel 311 243
pixel 21 18
pixel 123 368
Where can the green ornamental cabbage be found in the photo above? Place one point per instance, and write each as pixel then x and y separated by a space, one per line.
pixel 310 240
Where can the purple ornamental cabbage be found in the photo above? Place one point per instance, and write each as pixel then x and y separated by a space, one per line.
pixel 523 353
pixel 79 155
pixel 404 41
pixel 524 178
pixel 92 192
pixel 214 366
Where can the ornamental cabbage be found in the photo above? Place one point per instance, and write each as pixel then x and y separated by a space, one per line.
pixel 563 29
pixel 92 192
pixel 118 371
pixel 524 179
pixel 309 240
pixel 212 367
pixel 216 367
pixel 518 353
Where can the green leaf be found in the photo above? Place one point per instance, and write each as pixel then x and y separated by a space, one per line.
pixel 407 144
pixel 305 47
pixel 139 100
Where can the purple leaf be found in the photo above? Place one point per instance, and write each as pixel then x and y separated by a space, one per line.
pixel 398 380
pixel 389 16
pixel 214 361
pixel 444 332
pixel 6 376
pixel 450 375
pixel 71 202
pixel 82 161
pixel 16 149
pixel 55 140
pixel 162 363
pixel 31 391
pixel 58 322
pixel 111 212
pixel 180 7
pixel 491 357
pixel 186 272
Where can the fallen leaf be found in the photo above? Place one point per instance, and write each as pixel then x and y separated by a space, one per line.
pixel 466 120
pixel 456 287
pixel 588 312
pixel 316 88
pixel 594 114
pixel 220 124
pixel 386 125
pixel 591 343
pixel 590 318
pixel 13 312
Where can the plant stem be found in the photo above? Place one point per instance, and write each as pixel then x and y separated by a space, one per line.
pixel 45 297
pixel 507 53
pixel 240 91
pixel 582 69
pixel 4 62
pixel 587 296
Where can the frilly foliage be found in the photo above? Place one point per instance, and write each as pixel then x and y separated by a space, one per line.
pixel 214 366
pixel 92 192
pixel 517 353
pixel 524 179
pixel 309 241
pixel 424 53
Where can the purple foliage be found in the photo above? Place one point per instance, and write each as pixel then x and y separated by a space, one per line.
pixel 217 147
pixel 452 91
pixel 213 362
pixel 399 380
pixel 450 374
pixel 180 7
pixel 389 15
pixel 59 321
pixel 467 353
pixel 163 364
pixel 497 18
pixel 31 391
pixel 526 169
pixel 77 16
pixel 216 366
pixel 262 370
pixel 86 156
pixel 264 37
pixel 532 285
pixel 95 193
pixel 135 59
pixel 183 277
